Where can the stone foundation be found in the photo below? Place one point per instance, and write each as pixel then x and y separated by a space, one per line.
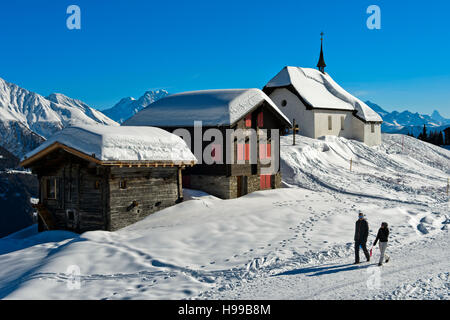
pixel 227 187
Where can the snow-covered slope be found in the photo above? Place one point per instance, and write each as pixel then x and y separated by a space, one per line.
pixel 17 138
pixel 38 117
pixel 294 242
pixel 402 168
pixel 128 107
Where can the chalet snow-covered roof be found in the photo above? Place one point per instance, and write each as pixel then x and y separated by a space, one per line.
pixel 212 107
pixel 115 144
pixel 320 91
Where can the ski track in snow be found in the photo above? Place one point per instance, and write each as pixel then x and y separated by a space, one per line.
pixel 291 243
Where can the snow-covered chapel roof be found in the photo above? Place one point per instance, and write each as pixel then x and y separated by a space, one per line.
pixel 212 107
pixel 320 91
pixel 119 144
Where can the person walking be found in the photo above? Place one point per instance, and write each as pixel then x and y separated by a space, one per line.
pixel 361 234
pixel 382 235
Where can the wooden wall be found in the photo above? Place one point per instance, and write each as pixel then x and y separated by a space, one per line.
pixel 147 190
pixel 93 193
pixel 75 191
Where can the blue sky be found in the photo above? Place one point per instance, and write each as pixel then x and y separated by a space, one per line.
pixel 127 47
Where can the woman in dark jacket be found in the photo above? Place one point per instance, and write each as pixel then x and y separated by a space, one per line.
pixel 383 234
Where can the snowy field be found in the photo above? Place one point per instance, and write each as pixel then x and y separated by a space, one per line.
pixel 290 243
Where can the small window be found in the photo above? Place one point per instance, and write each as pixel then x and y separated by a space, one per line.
pixel 248 121
pixel 122 184
pixel 51 188
pixel 284 103
pixel 342 123
pixel 70 215
pixel 260 120
pixel 330 123
pixel 372 127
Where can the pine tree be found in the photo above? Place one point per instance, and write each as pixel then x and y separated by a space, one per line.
pixel 424 135
pixel 441 139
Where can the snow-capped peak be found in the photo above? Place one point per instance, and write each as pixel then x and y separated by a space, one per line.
pixel 128 107
pixel 25 114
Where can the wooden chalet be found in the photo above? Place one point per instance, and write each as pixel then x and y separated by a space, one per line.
pixel 105 178
pixel 223 110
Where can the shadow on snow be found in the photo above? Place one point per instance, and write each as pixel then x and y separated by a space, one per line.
pixel 325 269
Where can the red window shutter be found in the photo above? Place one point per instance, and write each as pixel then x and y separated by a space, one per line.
pixel 269 151
pixel 240 151
pixel 262 182
pixel 262 150
pixel 247 151
pixel 248 120
pixel 265 181
pixel 260 119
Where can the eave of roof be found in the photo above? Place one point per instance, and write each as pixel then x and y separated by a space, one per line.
pixel 91 158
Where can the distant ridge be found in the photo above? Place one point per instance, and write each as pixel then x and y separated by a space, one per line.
pixel 408 122
pixel 128 107
pixel 27 118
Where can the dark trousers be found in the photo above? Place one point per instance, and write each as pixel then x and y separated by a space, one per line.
pixel 363 246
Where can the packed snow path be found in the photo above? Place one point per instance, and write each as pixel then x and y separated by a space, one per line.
pixel 295 242
pixel 419 270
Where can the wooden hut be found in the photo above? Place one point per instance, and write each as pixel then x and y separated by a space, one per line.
pixel 106 177
pixel 225 110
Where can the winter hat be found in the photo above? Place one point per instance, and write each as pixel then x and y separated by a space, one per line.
pixel 384 224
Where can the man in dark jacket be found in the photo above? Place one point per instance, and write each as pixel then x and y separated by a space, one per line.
pixel 361 234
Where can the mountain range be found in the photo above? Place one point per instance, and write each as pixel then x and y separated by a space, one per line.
pixel 27 118
pixel 408 122
pixel 128 107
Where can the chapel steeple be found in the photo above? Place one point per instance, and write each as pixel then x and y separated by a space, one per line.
pixel 321 64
